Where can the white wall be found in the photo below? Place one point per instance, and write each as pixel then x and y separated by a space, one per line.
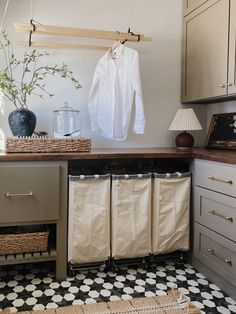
pixel 160 62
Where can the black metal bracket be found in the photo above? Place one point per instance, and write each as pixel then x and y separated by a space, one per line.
pixel 133 34
pixel 31 31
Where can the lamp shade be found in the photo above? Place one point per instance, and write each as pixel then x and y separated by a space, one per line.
pixel 185 120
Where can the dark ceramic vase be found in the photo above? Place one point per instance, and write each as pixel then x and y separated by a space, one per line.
pixel 22 122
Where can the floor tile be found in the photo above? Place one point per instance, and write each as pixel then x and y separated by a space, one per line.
pixel 34 287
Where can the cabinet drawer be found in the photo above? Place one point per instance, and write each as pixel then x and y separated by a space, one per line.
pixel 216 176
pixel 216 211
pixel 29 192
pixel 217 252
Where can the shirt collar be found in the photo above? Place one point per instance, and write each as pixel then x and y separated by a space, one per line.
pixel 115 53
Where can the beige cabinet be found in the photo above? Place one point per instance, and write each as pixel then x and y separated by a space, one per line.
pixel 190 5
pixel 232 49
pixel 208 52
pixel 214 252
pixel 35 193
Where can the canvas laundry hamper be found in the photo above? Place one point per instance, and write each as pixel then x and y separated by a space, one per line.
pixel 170 212
pixel 89 219
pixel 131 216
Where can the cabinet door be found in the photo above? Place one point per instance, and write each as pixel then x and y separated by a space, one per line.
pixel 205 49
pixel 190 5
pixel 232 49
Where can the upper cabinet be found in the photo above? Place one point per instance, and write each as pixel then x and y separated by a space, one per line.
pixel 232 49
pixel 190 5
pixel 209 51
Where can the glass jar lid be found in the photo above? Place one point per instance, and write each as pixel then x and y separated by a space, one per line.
pixel 66 108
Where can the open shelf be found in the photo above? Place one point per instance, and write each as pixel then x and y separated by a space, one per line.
pixel 49 255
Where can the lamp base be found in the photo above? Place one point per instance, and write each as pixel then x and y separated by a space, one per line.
pixel 184 141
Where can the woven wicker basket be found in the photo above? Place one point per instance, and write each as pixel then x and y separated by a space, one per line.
pixel 47 145
pixel 23 242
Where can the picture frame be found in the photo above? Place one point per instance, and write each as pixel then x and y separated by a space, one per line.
pixel 222 131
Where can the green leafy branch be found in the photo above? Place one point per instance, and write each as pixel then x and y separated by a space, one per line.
pixel 32 78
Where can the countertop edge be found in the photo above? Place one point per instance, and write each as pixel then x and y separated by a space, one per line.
pixel 225 156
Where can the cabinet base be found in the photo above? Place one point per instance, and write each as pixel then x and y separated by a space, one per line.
pixel 215 278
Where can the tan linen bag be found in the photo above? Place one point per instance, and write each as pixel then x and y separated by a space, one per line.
pixel 89 218
pixel 131 216
pixel 170 212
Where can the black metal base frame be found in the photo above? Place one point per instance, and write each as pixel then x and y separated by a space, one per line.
pixel 112 264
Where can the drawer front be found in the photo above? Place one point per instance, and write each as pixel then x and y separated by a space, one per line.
pixel 215 211
pixel 216 176
pixel 217 252
pixel 29 192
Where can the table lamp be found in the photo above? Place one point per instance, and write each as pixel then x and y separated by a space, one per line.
pixel 185 120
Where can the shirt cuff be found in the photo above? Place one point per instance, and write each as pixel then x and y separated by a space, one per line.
pixel 139 129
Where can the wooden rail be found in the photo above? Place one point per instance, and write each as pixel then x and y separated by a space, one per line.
pixel 74 32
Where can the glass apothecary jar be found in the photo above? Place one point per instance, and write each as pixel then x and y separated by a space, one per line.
pixel 66 122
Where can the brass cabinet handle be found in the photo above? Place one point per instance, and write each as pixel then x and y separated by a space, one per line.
pixel 222 85
pixel 229 84
pixel 213 212
pixel 225 260
pixel 18 194
pixel 220 180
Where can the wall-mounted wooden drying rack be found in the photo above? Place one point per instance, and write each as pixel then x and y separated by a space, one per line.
pixel 73 32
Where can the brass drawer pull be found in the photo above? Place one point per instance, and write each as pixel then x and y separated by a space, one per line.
pixel 225 260
pixel 228 218
pixel 220 180
pixel 18 194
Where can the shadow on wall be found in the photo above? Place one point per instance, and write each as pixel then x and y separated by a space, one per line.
pixel 2 113
pixel 2 140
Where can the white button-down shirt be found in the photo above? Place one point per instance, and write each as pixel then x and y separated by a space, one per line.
pixel 116 80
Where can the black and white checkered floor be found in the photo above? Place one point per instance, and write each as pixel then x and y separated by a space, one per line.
pixel 27 287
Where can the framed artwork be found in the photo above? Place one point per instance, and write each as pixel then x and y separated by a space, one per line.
pixel 222 131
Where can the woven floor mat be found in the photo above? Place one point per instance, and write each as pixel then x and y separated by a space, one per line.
pixel 173 303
